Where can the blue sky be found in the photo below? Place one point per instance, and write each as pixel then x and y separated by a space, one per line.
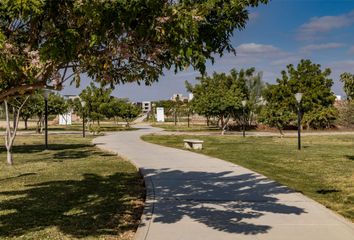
pixel 277 34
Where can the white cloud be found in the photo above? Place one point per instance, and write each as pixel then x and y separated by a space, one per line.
pixel 324 24
pixel 317 47
pixel 345 64
pixel 351 50
pixel 282 62
pixel 257 49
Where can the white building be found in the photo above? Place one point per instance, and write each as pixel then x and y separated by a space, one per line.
pixel 180 97
pixel 146 106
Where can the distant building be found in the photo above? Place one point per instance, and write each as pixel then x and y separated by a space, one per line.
pixel 338 98
pixel 69 117
pixel 145 106
pixel 180 97
pixel 70 96
pixel 190 96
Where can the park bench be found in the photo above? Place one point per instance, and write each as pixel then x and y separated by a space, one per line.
pixel 193 144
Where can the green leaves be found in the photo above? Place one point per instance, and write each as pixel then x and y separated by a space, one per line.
pixel 348 80
pixel 317 101
pixel 113 42
pixel 219 95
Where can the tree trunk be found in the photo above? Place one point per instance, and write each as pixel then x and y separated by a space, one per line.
pixel 14 117
pixel 175 117
pixel 225 124
pixel 208 121
pixel 10 134
pixel 42 124
pixel 280 131
pixel 221 123
pixel 26 124
pixel 9 157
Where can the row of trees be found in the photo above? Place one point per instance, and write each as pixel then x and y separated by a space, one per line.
pixel 99 105
pixel 221 95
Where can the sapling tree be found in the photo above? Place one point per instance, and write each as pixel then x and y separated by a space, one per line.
pixel 10 135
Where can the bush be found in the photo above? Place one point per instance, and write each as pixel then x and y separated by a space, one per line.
pixel 94 129
pixel 346 114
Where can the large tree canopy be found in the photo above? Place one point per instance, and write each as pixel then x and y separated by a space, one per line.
pixel 317 102
pixel 220 95
pixel 45 42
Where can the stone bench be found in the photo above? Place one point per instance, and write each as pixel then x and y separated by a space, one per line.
pixel 193 144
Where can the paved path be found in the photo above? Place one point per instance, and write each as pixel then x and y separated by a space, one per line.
pixel 192 196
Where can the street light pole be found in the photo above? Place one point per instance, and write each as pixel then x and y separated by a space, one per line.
pixel 298 97
pixel 46 95
pixel 244 102
pixel 83 104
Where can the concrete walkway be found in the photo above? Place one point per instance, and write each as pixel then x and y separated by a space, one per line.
pixel 192 196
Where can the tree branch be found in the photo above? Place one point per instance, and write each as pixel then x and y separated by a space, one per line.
pixel 23 88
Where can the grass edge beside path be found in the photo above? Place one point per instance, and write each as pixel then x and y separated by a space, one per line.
pixel 323 170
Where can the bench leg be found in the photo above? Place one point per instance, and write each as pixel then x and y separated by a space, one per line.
pixel 187 145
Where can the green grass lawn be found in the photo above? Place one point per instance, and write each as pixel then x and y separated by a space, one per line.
pixel 71 191
pixel 104 127
pixel 184 128
pixel 322 170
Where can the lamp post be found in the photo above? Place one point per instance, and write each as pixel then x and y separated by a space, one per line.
pixel 188 116
pixel 298 97
pixel 83 104
pixel 244 102
pixel 46 95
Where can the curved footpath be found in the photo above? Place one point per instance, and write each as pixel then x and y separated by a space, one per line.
pixel 192 196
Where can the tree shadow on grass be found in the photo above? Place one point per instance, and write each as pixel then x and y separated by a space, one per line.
pixel 218 200
pixel 62 152
pixel 36 148
pixel 94 206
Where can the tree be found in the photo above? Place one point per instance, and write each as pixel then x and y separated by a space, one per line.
pixel 168 106
pixel 219 95
pixel 255 87
pixel 277 112
pixel 45 43
pixel 114 42
pixel 112 109
pixel 317 108
pixel 128 111
pixel 345 114
pixel 11 131
pixel 94 97
pixel 57 105
pixel 30 108
pixel 348 80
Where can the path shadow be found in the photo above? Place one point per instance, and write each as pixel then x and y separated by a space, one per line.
pixel 220 201
pixel 93 206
